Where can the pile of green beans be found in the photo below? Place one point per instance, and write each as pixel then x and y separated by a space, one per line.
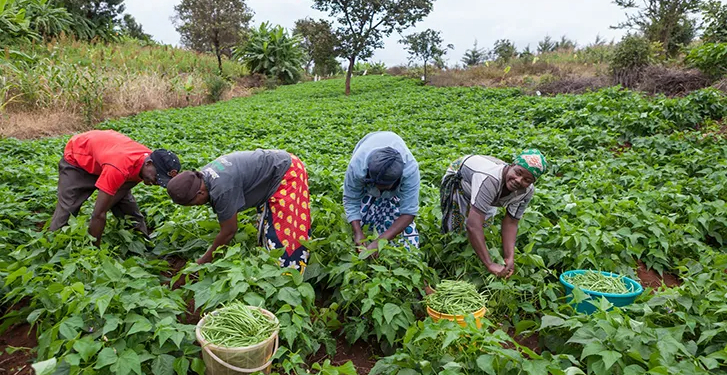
pixel 237 325
pixel 598 282
pixel 456 298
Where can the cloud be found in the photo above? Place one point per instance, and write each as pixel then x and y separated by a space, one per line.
pixel 525 22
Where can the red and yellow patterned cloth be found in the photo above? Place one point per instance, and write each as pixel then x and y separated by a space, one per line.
pixel 286 217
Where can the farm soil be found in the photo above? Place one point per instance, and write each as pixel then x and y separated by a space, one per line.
pixel 361 354
pixel 531 342
pixel 191 316
pixel 651 278
pixel 175 265
pixel 18 363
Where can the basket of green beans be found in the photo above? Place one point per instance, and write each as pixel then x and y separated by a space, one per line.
pixel 238 339
pixel 453 300
pixel 617 289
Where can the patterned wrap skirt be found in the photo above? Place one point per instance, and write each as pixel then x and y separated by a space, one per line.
pixel 285 219
pixel 380 213
pixel 453 202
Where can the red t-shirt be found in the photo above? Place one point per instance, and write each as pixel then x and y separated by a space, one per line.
pixel 112 156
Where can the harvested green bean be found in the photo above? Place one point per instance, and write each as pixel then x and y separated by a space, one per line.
pixel 598 282
pixel 237 325
pixel 456 298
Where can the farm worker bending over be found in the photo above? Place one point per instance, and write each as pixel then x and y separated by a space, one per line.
pixel 381 189
pixel 472 189
pixel 273 181
pixel 112 163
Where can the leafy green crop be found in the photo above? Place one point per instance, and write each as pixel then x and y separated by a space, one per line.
pixel 632 178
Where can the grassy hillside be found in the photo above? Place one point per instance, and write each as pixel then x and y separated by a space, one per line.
pixel 67 85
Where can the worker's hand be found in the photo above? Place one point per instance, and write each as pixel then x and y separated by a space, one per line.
pixel 428 289
pixel 359 239
pixel 206 258
pixel 509 268
pixel 373 245
pixel 496 269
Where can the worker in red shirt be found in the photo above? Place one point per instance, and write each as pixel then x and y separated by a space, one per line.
pixel 112 163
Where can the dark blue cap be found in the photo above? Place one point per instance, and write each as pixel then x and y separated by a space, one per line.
pixel 167 165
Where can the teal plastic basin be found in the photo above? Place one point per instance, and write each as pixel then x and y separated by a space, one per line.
pixel 619 300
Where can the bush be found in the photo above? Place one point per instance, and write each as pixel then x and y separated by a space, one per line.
pixel 710 58
pixel 271 51
pixel 596 54
pixel 216 87
pixel 629 58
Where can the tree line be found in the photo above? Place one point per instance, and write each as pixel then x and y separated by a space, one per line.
pixel 26 21
pixel 354 31
pixel 356 28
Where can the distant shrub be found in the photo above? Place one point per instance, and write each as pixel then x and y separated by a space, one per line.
pixel 596 54
pixel 629 58
pixel 547 78
pixel 710 59
pixel 273 52
pixel 216 87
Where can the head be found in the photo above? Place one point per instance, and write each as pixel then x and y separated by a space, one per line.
pixel 525 169
pixel 385 168
pixel 188 189
pixel 160 167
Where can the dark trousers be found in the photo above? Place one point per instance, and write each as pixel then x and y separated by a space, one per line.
pixel 75 185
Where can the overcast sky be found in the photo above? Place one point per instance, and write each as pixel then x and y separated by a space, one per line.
pixel 460 21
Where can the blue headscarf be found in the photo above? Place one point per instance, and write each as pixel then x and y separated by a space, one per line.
pixel 385 167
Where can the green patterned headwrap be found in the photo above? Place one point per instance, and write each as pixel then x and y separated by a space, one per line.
pixel 532 160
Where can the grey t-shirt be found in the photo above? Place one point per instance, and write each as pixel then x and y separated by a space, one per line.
pixel 244 179
pixel 483 183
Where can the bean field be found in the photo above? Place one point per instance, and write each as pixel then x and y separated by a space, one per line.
pixel 637 185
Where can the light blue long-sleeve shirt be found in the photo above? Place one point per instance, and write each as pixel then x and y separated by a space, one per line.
pixel 354 187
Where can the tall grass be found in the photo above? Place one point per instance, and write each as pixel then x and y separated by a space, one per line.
pixel 89 82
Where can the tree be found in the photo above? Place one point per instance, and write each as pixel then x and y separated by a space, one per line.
pixel 503 50
pixel 46 18
pixel 565 44
pixel 212 25
pixel 546 45
pixel 663 21
pixel 130 27
pixel 94 18
pixel 439 61
pixel 363 24
pixel 425 46
pixel 14 26
pixel 319 43
pixel 527 54
pixel 474 56
pixel 715 22
pixel 600 41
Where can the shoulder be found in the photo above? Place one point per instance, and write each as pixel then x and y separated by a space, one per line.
pixel 529 192
pixel 485 165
